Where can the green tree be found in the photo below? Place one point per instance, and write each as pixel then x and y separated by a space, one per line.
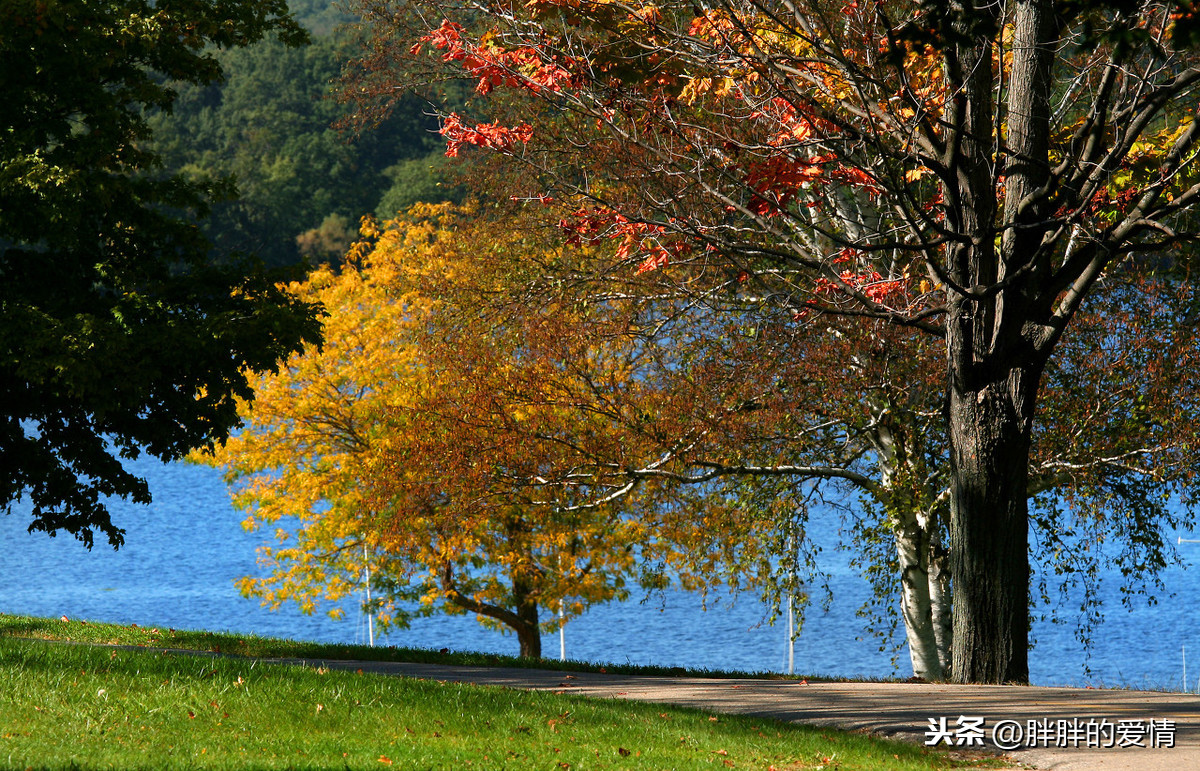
pixel 268 127
pixel 117 334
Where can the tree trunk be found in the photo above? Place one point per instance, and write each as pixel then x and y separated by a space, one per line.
pixel 916 608
pixel 997 348
pixel 989 550
pixel 524 621
pixel 530 638
pixel 529 633
pixel 941 607
pixel 913 527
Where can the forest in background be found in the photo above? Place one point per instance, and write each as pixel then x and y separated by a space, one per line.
pixel 302 184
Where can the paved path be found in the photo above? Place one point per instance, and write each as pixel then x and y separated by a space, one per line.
pixel 901 710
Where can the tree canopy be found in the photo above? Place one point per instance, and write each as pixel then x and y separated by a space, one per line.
pixel 118 335
pixel 268 129
pixel 971 172
pixel 445 436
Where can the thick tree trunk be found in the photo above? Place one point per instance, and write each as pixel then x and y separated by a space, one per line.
pixel 529 633
pixel 523 621
pixel 989 552
pixel 995 349
pixel 530 638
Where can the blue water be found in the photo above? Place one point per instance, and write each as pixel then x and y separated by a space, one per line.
pixel 184 551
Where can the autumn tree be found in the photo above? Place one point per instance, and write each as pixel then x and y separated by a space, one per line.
pixel 973 172
pixel 422 440
pixel 118 335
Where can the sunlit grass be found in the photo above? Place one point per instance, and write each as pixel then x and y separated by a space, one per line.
pixel 68 706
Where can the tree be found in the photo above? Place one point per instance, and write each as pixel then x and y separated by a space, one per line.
pixel 117 335
pixel 971 171
pixel 269 127
pixel 415 440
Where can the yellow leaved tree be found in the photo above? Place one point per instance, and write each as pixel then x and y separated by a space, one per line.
pixel 452 435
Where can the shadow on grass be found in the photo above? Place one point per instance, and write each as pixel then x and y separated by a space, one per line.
pixel 80 631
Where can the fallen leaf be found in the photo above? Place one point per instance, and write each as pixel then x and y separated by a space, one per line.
pixel 712 719
pixel 191 714
pixel 720 752
pixel 623 752
pixel 728 763
pixel 385 760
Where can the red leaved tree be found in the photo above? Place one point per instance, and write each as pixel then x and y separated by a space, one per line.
pixel 970 171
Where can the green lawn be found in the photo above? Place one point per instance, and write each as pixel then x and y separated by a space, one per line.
pixel 85 707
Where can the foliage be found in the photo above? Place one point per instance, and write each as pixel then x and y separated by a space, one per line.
pixel 328 242
pixel 118 335
pixel 419 180
pixel 320 17
pixel 451 438
pixel 269 127
pixel 973 174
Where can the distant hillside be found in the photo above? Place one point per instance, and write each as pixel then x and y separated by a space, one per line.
pixel 268 127
pixel 320 16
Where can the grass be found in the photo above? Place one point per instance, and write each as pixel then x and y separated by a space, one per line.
pixel 76 630
pixel 85 707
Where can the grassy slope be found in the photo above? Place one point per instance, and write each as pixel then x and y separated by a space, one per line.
pixel 77 630
pixel 91 707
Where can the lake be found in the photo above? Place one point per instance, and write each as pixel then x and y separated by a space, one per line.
pixel 184 551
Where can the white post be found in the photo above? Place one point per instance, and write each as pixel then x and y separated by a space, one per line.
pixel 562 632
pixel 370 613
pixel 791 668
pixel 791 605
